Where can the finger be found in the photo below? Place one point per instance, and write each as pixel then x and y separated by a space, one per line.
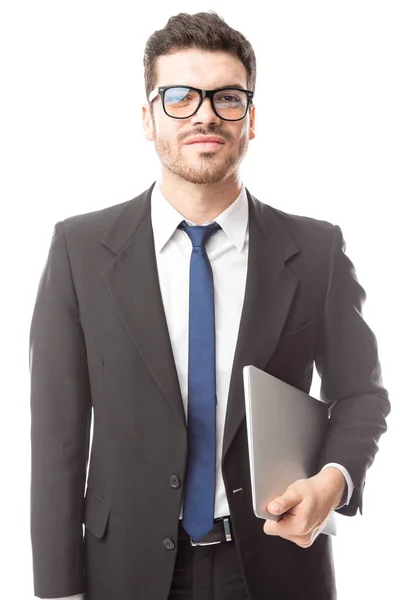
pixel 281 504
pixel 288 526
pixel 272 528
pixel 303 541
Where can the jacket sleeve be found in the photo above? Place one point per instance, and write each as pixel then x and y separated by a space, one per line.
pixel 74 597
pixel 348 488
pixel 348 364
pixel 60 428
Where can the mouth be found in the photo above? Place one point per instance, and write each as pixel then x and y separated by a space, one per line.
pixel 205 142
pixel 205 145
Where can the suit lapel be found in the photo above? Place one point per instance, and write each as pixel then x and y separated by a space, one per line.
pixel 270 288
pixel 132 281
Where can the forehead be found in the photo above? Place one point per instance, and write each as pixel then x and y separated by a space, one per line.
pixel 200 68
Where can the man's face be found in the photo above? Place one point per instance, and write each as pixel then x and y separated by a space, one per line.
pixel 195 162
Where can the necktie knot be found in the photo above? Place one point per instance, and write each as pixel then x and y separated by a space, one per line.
pixel 199 234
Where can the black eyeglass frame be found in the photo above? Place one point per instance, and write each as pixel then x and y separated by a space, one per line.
pixel 203 94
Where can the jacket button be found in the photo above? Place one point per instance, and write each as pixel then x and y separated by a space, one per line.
pixel 168 544
pixel 174 481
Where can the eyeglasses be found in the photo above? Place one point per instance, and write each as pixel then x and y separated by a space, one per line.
pixel 182 102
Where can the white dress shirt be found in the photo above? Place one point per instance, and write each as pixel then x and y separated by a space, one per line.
pixel 227 250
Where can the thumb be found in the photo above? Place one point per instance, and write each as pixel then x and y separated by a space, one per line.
pixel 281 504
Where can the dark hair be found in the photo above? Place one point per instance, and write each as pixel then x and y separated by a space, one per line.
pixel 204 30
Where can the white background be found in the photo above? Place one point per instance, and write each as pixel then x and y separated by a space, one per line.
pixel 327 146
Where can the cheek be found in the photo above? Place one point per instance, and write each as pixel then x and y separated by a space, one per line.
pixel 166 128
pixel 242 132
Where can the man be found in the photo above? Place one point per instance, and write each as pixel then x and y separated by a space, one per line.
pixel 146 313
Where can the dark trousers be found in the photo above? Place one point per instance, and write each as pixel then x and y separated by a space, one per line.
pixel 207 573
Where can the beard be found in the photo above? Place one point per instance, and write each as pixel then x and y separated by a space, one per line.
pixel 208 169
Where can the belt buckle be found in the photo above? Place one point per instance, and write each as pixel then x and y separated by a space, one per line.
pixel 203 543
pixel 228 536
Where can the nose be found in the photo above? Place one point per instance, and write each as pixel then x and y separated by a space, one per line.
pixel 205 114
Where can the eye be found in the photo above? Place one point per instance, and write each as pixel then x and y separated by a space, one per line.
pixel 229 98
pixel 180 96
pixel 174 99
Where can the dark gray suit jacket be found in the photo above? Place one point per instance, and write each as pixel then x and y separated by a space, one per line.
pixel 99 339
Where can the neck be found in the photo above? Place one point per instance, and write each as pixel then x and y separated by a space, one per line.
pixel 199 203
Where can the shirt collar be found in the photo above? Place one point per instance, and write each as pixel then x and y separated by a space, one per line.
pixel 165 219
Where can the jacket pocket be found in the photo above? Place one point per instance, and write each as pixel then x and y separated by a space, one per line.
pixel 294 356
pixel 97 512
pixel 305 328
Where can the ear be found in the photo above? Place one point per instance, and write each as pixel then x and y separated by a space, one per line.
pixel 252 132
pixel 147 121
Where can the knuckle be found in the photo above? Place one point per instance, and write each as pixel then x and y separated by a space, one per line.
pixel 268 527
pixel 303 527
pixel 305 543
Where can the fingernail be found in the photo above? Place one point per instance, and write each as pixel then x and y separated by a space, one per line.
pixel 275 506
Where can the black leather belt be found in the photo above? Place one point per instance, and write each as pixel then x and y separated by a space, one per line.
pixel 222 532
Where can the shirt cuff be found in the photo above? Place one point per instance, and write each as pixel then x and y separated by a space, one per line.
pixel 74 597
pixel 348 492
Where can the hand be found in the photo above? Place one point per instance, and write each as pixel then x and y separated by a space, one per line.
pixel 306 506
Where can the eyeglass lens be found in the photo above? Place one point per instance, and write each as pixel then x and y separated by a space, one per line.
pixel 182 102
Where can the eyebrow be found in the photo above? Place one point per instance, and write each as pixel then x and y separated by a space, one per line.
pixel 225 85
pixel 234 85
pixel 238 85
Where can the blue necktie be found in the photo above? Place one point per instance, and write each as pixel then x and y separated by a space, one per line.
pixel 199 498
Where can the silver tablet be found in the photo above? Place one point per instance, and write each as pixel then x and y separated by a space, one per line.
pixel 286 429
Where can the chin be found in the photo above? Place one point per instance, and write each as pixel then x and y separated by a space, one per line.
pixel 204 176
pixel 208 170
